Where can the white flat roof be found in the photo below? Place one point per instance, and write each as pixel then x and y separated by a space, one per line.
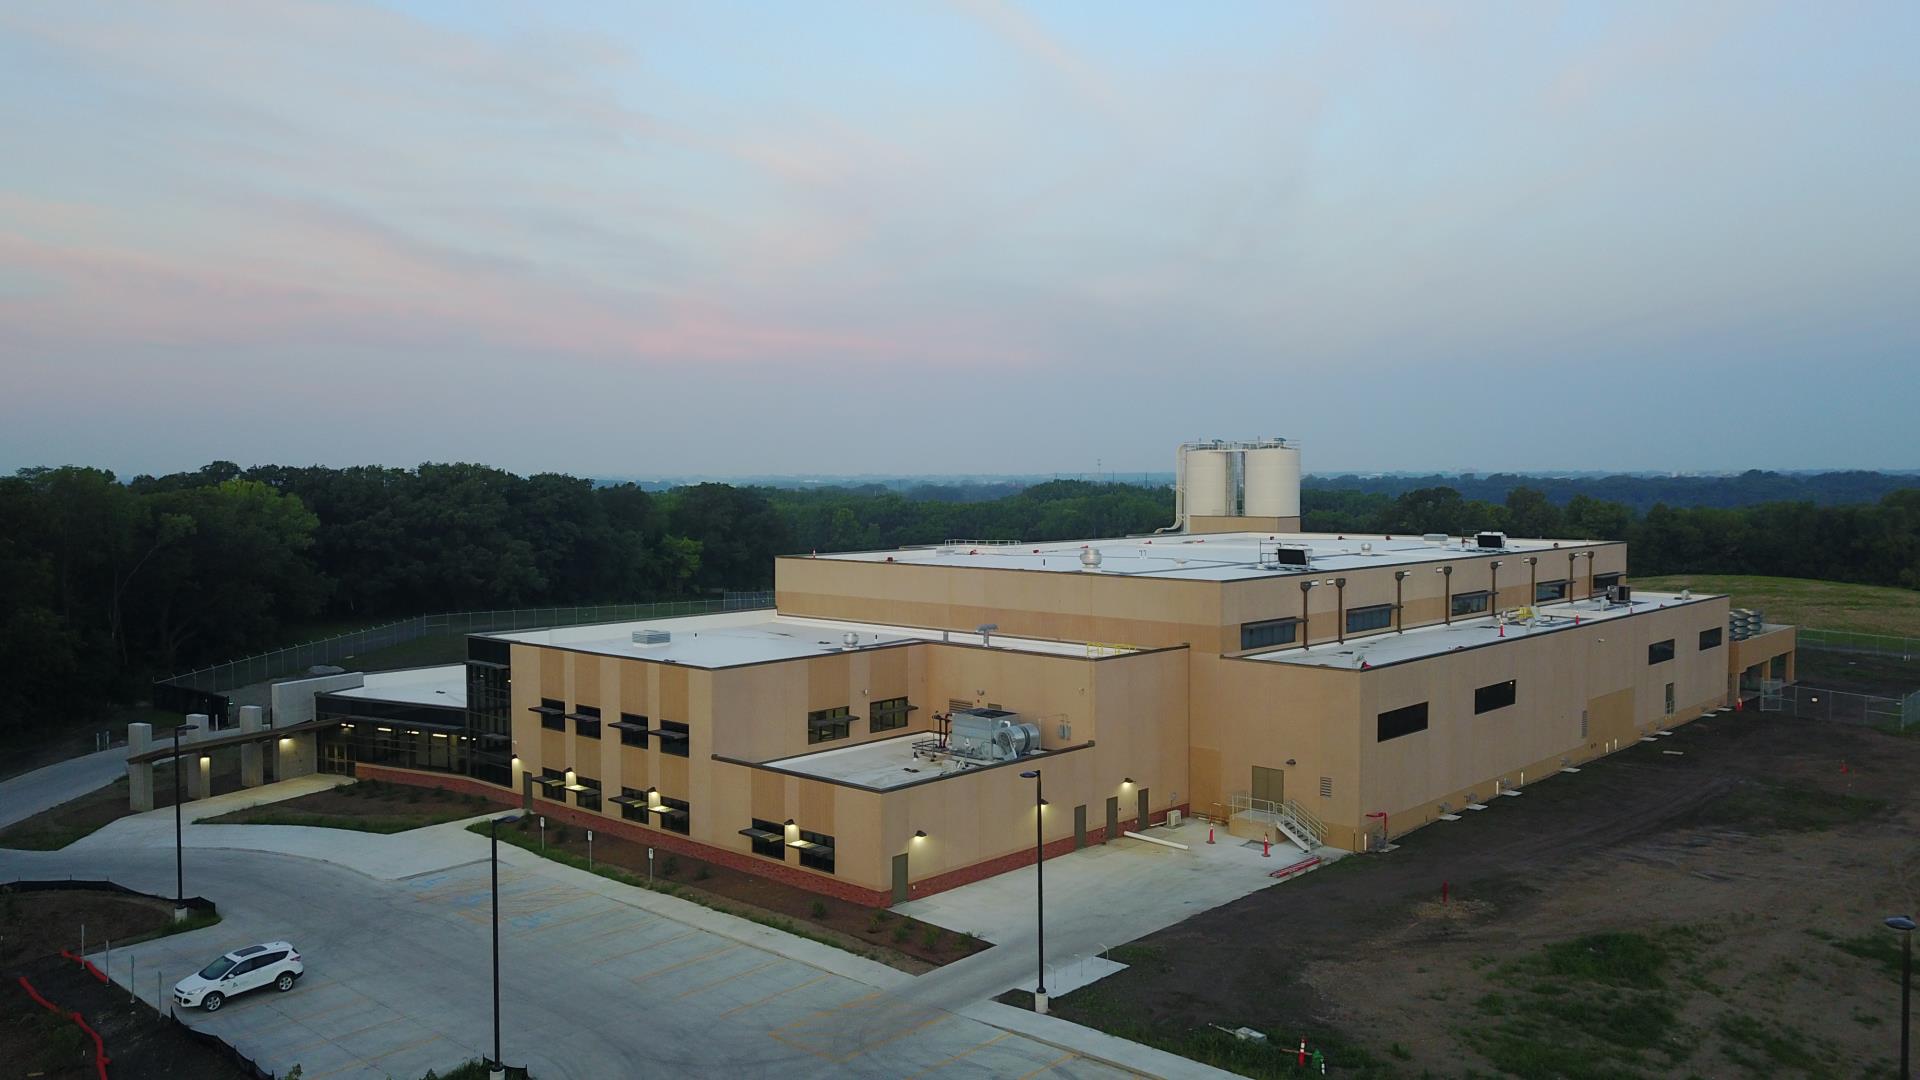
pixel 752 637
pixel 886 763
pixel 443 685
pixel 1208 556
pixel 1376 650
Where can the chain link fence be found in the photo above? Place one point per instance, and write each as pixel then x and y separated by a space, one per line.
pixel 298 658
pixel 1841 706
pixel 1906 648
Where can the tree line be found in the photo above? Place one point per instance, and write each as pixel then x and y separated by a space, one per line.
pixel 105 583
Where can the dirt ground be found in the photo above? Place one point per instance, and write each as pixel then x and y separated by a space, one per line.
pixel 1708 905
pixel 895 939
pixel 58 826
pixel 34 927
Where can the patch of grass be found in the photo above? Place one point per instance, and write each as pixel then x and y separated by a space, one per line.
pixel 1882 949
pixel 1764 807
pixel 1591 1007
pixel 371 823
pixel 195 920
pixel 1782 1046
pixel 1824 605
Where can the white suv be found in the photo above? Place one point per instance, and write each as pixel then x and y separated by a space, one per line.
pixel 275 963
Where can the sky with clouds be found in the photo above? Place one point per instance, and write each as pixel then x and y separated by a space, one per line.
pixel 719 238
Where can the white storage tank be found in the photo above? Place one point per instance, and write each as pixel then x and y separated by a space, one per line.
pixel 1273 481
pixel 1209 482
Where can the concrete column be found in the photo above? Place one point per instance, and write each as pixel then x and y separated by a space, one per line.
pixel 296 756
pixel 139 777
pixel 194 770
pixel 253 754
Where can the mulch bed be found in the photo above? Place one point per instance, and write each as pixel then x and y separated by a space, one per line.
pixel 401 806
pixel 141 1044
pixel 894 938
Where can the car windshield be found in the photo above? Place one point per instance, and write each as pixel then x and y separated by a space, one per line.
pixel 217 968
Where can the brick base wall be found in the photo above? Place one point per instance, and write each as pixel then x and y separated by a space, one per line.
pixel 555 810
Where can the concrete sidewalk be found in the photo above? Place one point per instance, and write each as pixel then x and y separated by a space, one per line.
pixel 45 788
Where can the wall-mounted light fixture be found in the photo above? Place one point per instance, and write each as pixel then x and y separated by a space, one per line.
pixel 1290 761
pixel 919 834
pixel 1126 781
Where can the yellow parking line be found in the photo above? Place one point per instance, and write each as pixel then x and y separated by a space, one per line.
pixel 730 946
pixel 898 1035
pixel 771 996
pixel 731 977
pixel 948 1061
pixel 1061 1060
pixel 829 1012
pixel 642 948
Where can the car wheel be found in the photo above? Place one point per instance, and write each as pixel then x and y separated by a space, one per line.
pixel 213 1001
pixel 284 983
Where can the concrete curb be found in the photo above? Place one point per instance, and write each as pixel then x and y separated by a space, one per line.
pixel 1094 1045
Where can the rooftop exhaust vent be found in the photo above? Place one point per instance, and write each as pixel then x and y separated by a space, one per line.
pixel 652 637
pixel 1436 539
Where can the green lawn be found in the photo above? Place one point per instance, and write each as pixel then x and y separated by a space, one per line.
pixel 1821 605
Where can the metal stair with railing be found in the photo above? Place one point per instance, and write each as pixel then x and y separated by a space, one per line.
pixel 1288 818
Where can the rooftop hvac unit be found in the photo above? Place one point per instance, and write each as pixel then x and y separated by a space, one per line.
pixel 991 735
pixel 1495 540
pixel 1436 539
pixel 652 637
pixel 1292 556
pixel 1619 594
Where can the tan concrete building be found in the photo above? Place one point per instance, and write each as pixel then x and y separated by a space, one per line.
pixel 1310 688
pixel 877 734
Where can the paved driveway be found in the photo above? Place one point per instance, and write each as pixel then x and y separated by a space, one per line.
pixel 29 793
pixel 399 979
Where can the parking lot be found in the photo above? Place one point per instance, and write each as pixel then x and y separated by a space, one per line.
pixel 398 978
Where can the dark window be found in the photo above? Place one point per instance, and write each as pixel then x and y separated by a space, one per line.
pixel 1601 581
pixel 674 738
pixel 1549 590
pixel 633 805
pixel 1469 603
pixel 1489 698
pixel 888 714
pixel 1710 639
pixel 1669 699
pixel 1660 652
pixel 1377 617
pixel 553 714
pixel 1260 635
pixel 769 838
pixel 677 815
pixel 554 784
pixel 826 725
pixel 590 798
pixel 1402 721
pixel 816 851
pixel 633 730
pixel 586 721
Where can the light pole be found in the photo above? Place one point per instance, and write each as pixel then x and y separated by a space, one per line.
pixel 1340 609
pixel 497 1071
pixel 1905 924
pixel 179 862
pixel 1446 601
pixel 1306 627
pixel 1040 891
pixel 1493 578
pixel 1399 616
pixel 1533 580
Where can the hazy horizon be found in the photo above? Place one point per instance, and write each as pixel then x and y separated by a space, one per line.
pixel 959 239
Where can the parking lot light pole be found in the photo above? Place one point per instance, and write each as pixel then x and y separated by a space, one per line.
pixel 495 1070
pixel 1040 891
pixel 1905 924
pixel 179 862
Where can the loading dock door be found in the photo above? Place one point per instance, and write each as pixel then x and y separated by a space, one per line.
pixel 1269 785
pixel 1142 823
pixel 1113 818
pixel 900 878
pixel 1079 827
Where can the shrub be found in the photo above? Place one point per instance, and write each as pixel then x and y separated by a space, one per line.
pixel 819 910
pixel 902 932
pixel 932 938
pixel 703 873
pixel 877 922
pixel 670 867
